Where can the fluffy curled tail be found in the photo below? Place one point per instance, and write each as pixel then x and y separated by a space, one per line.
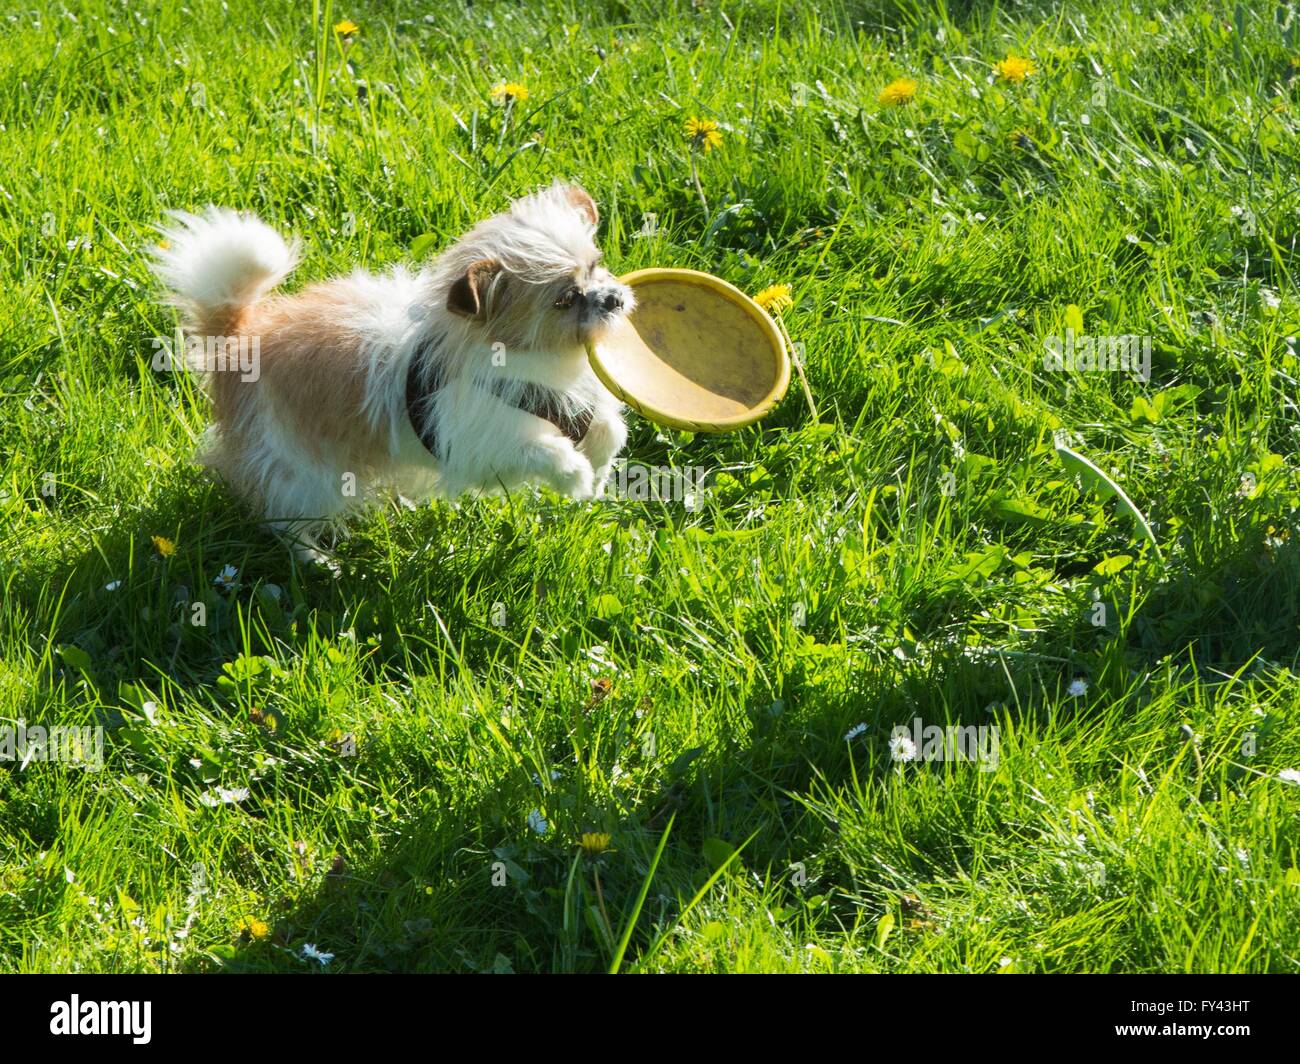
pixel 219 262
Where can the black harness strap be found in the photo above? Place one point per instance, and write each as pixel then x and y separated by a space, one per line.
pixel 535 399
pixel 544 403
pixel 419 394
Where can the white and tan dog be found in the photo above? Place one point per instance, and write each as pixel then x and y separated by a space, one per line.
pixel 470 374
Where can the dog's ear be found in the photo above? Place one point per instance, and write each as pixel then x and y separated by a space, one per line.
pixel 580 198
pixel 467 292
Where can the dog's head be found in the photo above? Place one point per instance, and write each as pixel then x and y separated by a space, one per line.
pixel 531 277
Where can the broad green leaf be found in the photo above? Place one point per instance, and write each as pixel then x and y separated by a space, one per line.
pixel 713 931
pixel 422 244
pixel 977 565
pixel 883 927
pixel 717 852
pixel 1018 509
pixel 74 657
pixel 1113 564
pixel 1142 410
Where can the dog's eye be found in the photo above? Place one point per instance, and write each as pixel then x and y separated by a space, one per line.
pixel 567 300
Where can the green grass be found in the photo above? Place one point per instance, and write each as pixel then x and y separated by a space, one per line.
pixel 921 550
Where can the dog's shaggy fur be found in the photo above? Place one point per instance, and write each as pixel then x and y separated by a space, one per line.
pixel 326 421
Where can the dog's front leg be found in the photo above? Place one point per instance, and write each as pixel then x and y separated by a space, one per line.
pixel 606 436
pixel 510 448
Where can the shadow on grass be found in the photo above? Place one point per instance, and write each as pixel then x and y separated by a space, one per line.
pixel 445 892
pixel 430 902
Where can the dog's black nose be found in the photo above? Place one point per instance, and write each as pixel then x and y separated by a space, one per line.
pixel 612 301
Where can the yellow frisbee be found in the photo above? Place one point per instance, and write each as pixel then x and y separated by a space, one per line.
pixel 696 353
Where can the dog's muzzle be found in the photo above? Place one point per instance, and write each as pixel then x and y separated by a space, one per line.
pixel 606 300
pixel 603 301
pixel 601 305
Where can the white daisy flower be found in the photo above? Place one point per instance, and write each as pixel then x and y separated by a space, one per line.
pixel 226 578
pixel 902 748
pixel 537 822
pixel 223 796
pixel 1077 688
pixel 1290 775
pixel 599 660
pixel 854 732
pixel 311 953
pixel 113 585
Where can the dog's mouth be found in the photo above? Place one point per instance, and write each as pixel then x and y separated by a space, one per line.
pixel 595 325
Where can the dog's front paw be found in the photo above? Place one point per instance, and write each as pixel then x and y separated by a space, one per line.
pixel 604 440
pixel 573 476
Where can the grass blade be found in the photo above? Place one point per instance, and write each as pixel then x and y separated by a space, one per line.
pixel 626 936
pixel 1092 476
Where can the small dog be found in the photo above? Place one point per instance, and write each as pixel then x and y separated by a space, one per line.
pixel 470 374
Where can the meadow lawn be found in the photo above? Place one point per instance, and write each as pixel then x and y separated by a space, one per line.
pixel 529 734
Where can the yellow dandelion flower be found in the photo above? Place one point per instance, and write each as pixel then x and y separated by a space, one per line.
pixel 164 546
pixel 346 28
pixel 703 133
pixel 509 92
pixel 897 92
pixel 775 298
pixel 255 929
pixel 1014 68
pixel 594 843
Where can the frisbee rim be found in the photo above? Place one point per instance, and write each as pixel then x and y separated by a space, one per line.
pixel 764 321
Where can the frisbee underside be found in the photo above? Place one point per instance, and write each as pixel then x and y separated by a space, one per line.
pixel 696 353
